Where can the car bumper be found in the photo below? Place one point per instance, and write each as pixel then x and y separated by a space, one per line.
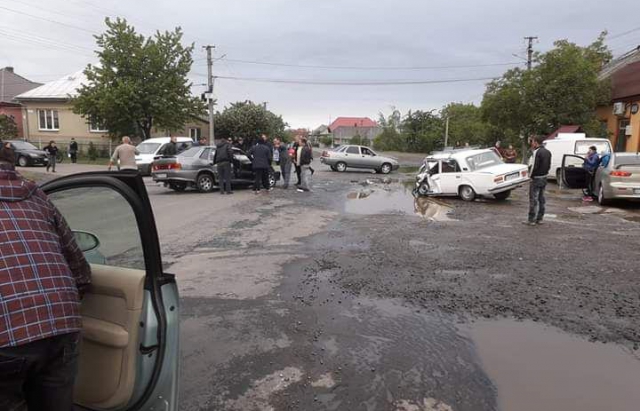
pixel 327 161
pixel 511 185
pixel 174 176
pixel 38 161
pixel 625 191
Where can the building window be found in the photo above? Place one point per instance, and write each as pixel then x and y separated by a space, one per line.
pixel 97 127
pixel 195 133
pixel 48 120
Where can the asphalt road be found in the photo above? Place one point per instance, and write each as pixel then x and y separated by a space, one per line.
pixel 359 297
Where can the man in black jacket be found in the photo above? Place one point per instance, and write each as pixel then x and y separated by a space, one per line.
pixel 306 157
pixel 172 147
pixel 73 150
pixel 539 172
pixel 261 156
pixel 222 159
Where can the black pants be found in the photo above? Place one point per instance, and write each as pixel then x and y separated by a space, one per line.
pixel 298 174
pixel 74 157
pixel 41 373
pixel 224 173
pixel 52 163
pixel 261 176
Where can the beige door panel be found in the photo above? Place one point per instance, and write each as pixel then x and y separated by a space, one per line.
pixel 111 313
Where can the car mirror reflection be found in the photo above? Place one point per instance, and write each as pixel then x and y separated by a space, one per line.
pixel 86 241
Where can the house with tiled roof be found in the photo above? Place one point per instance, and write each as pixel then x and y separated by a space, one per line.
pixel 11 85
pixel 343 129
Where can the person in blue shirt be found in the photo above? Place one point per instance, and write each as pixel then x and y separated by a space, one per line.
pixel 591 164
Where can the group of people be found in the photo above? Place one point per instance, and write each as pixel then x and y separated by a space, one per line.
pixel 509 154
pixel 264 155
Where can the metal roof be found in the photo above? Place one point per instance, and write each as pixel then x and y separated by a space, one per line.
pixel 62 89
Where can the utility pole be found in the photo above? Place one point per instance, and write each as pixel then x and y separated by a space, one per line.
pixel 530 50
pixel 210 93
pixel 446 133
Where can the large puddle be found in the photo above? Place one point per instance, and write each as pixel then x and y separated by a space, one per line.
pixel 536 367
pixel 380 201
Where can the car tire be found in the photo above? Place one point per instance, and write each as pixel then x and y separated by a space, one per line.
pixel 205 183
pixel 423 189
pixel 502 196
pixel 23 161
pixel 386 168
pixel 467 193
pixel 178 186
pixel 602 200
pixel 341 167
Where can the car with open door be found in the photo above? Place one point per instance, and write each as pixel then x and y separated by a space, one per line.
pixel 129 356
pixel 615 179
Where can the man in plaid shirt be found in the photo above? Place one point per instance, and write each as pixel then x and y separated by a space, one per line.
pixel 42 276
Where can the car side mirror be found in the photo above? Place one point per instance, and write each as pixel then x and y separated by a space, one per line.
pixel 86 241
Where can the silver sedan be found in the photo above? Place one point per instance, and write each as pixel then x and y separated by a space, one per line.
pixel 343 157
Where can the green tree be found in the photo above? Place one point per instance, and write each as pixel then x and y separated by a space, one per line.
pixel 248 120
pixel 140 83
pixel 465 124
pixel 358 140
pixel 390 138
pixel 326 141
pixel 8 127
pixel 423 131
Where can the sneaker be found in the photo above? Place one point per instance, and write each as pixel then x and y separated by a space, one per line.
pixel 587 199
pixel 256 192
pixel 529 223
pixel 539 222
pixel 300 190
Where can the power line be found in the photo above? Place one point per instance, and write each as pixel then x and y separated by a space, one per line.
pixel 623 34
pixel 48 20
pixel 352 83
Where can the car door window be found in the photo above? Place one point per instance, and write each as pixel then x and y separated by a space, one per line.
pixel 206 154
pixel 366 152
pixel 353 150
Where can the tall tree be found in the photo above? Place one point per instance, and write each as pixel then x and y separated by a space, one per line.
pixel 140 83
pixel 248 120
pixel 465 124
pixel 423 131
pixel 8 127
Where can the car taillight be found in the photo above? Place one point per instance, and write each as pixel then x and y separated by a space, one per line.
pixel 498 179
pixel 524 173
pixel 175 166
pixel 325 154
pixel 620 174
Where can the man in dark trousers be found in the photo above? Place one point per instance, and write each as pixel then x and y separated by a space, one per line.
pixel 539 172
pixel 73 150
pixel 52 151
pixel 261 156
pixel 172 147
pixel 43 274
pixel 222 160
pixel 284 160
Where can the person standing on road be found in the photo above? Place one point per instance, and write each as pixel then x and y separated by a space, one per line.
pixel 43 274
pixel 52 152
pixel 296 155
pixel 304 159
pixel 73 150
pixel 125 153
pixel 539 171
pixel 284 161
pixel 510 155
pixel 261 157
pixel 222 159
pixel 172 147
pixel 591 164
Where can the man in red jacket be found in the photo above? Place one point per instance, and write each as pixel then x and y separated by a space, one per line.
pixel 42 275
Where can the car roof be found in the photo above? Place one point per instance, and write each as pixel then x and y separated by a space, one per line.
pixel 165 140
pixel 458 153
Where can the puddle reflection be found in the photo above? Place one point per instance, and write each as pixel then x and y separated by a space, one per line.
pixel 381 201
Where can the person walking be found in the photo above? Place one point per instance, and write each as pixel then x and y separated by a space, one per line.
pixel 284 161
pixel 261 157
pixel 539 171
pixel 124 156
pixel 510 155
pixel 591 164
pixel 73 150
pixel 305 158
pixel 43 274
pixel 52 152
pixel 222 159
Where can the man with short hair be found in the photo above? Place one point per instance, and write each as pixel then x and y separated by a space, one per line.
pixel 591 164
pixel 222 159
pixel 539 171
pixel 52 153
pixel 73 150
pixel 284 161
pixel 305 157
pixel 261 157
pixel 126 154
pixel 172 147
pixel 43 274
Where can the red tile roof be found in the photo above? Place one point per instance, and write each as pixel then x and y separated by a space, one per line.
pixel 564 129
pixel 352 122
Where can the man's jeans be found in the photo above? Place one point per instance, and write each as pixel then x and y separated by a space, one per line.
pixel 536 198
pixel 305 177
pixel 286 173
pixel 224 172
pixel 41 373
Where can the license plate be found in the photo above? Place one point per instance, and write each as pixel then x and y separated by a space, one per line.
pixel 161 176
pixel 636 191
pixel 512 176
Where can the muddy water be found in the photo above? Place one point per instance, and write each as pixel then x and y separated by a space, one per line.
pixel 536 367
pixel 382 201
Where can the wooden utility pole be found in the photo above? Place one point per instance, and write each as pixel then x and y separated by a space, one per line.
pixel 530 39
pixel 210 94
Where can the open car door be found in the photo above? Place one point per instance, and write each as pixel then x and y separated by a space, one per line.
pixel 573 174
pixel 129 353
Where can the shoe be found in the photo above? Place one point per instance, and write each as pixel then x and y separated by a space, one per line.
pixel 256 192
pixel 539 222
pixel 587 199
pixel 229 192
pixel 271 189
pixel 529 223
pixel 300 190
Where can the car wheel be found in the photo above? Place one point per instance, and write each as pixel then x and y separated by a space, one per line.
pixel 601 198
pixel 467 193
pixel 386 168
pixel 205 183
pixel 178 186
pixel 23 161
pixel 423 189
pixel 502 196
pixel 341 167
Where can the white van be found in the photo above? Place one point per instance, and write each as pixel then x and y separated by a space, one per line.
pixel 154 147
pixel 572 143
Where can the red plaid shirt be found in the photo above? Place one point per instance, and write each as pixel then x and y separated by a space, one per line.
pixel 41 266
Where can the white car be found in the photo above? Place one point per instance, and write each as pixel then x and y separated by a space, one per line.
pixel 154 147
pixel 469 174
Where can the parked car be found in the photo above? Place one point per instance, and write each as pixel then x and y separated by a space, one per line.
pixel 343 157
pixel 27 154
pixel 617 180
pixel 571 143
pixel 129 355
pixel 468 174
pixel 153 148
pixel 194 168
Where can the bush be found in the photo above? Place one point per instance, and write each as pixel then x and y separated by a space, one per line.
pixel 92 152
pixel 326 141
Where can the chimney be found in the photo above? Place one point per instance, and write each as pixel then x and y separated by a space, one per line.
pixel 9 69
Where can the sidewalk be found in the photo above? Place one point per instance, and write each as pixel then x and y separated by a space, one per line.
pixel 63 169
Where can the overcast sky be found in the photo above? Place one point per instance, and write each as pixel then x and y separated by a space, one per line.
pixel 45 40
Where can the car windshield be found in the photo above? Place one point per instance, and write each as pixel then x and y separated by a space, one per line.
pixel 483 160
pixel 23 145
pixel 190 152
pixel 148 148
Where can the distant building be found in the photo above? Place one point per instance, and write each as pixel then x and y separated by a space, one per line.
pixel 319 133
pixel 621 118
pixel 11 85
pixel 343 129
